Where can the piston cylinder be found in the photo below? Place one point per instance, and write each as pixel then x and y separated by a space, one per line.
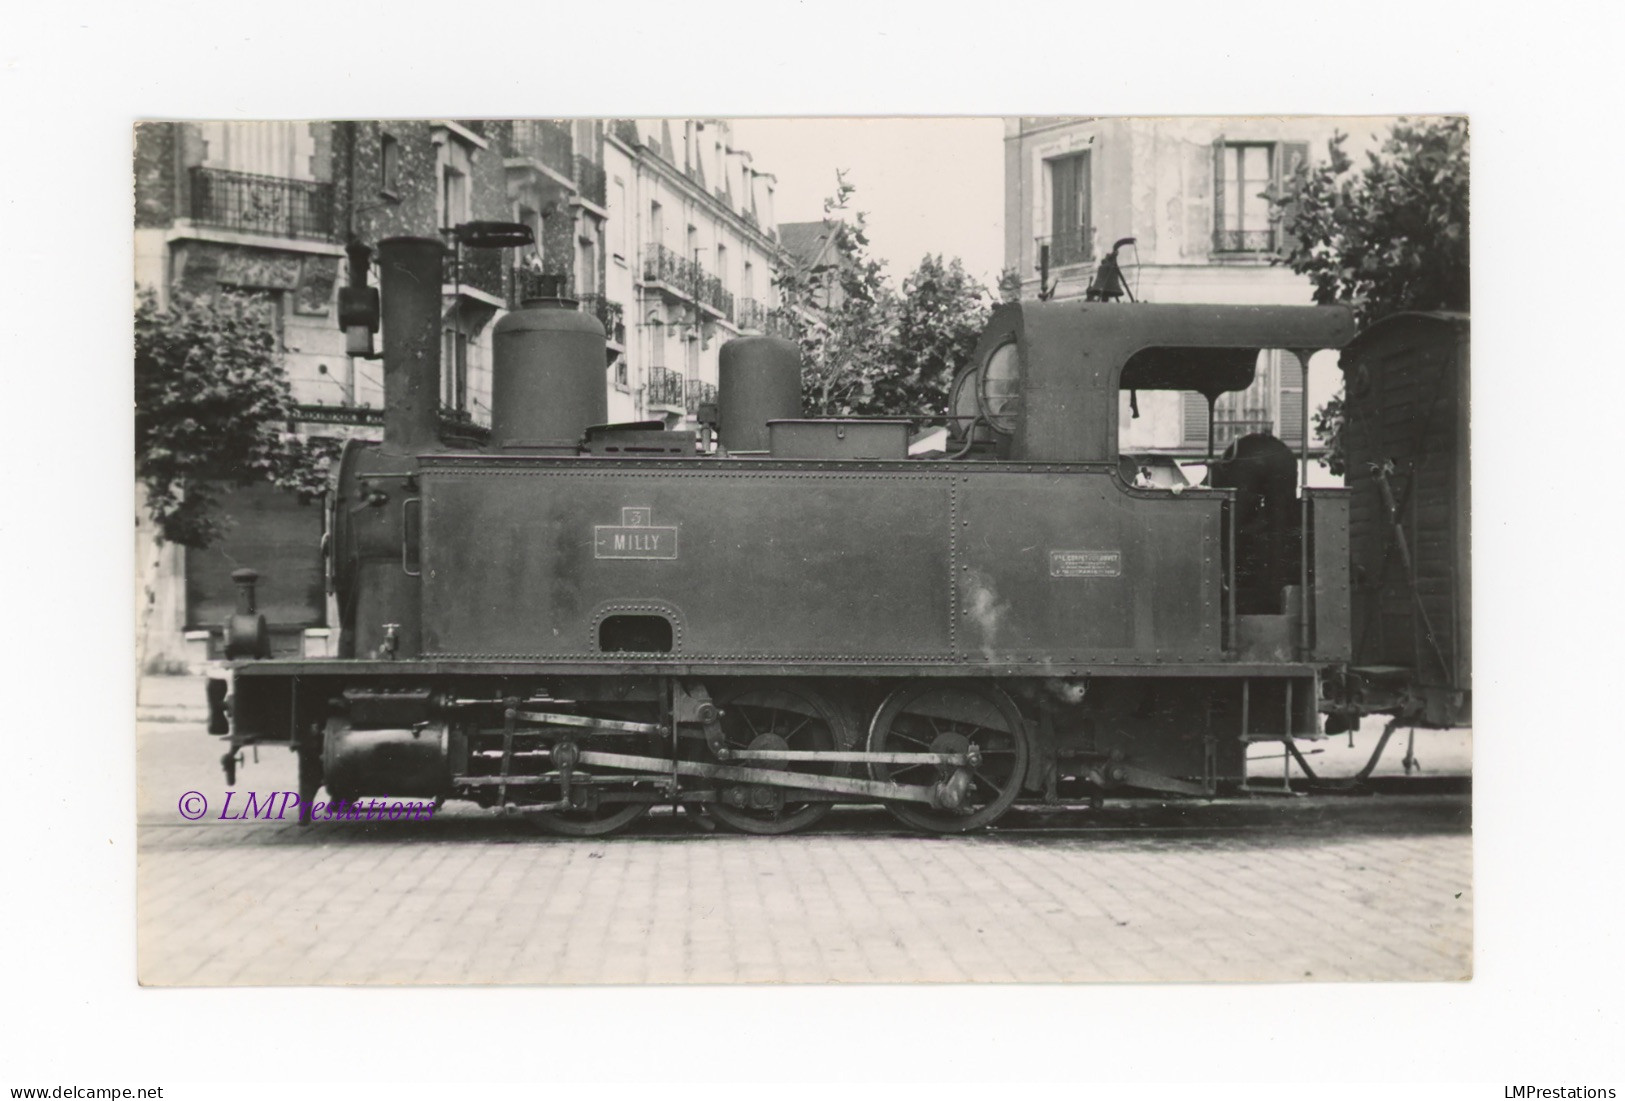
pixel 406 762
pixel 547 377
pixel 758 380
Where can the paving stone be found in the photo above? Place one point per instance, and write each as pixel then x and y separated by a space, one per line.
pixel 1355 890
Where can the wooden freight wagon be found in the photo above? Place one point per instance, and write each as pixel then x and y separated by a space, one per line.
pixel 1406 438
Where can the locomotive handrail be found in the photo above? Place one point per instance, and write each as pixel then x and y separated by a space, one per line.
pixel 406 535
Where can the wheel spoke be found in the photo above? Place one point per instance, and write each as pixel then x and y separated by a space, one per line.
pixel 989 784
pixel 979 719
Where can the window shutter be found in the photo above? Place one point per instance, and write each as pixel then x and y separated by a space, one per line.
pixel 1063 193
pixel 1289 155
pixel 1291 398
pixel 1194 409
pixel 1085 218
pixel 1218 189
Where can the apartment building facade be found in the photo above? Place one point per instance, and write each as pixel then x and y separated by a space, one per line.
pixel 668 241
pixel 1191 193
pixel 694 254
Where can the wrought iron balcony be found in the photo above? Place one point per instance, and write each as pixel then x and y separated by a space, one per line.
pixel 663 265
pixel 611 315
pixel 480 269
pixel 529 283
pixel 698 394
pixel 546 141
pixel 709 291
pixel 686 279
pixel 590 180
pixel 780 322
pixel 1075 246
pixel 751 314
pixel 665 387
pixel 269 205
pixel 1244 240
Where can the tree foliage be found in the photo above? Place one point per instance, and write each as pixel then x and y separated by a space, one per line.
pixel 839 311
pixel 1390 237
pixel 867 349
pixel 213 406
pixel 940 314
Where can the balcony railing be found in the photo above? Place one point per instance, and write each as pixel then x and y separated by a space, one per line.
pixel 698 394
pixel 751 313
pixel 480 269
pixel 269 205
pixel 1226 430
pixel 665 387
pixel 590 180
pixel 663 265
pixel 611 315
pixel 687 278
pixel 539 284
pixel 1244 240
pixel 780 323
pixel 709 290
pixel 1075 246
pixel 546 141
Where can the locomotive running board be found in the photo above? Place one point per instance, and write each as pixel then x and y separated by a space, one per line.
pixel 836 785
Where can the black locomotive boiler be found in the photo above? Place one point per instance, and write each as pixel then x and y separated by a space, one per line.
pixel 579 621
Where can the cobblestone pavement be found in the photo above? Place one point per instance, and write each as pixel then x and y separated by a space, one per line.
pixel 1277 889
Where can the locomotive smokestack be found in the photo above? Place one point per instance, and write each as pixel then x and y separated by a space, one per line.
pixel 409 280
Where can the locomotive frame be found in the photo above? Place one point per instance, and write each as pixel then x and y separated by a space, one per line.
pixel 584 621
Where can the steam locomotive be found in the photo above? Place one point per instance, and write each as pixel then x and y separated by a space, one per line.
pixel 771 615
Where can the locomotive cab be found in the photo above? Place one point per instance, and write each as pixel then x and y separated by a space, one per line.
pixel 1047 378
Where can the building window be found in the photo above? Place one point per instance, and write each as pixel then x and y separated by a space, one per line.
pixel 456 169
pixel 622 219
pixel 1243 174
pixel 389 161
pixel 281 149
pixel 1273 403
pixel 620 372
pixel 657 342
pixel 587 267
pixel 453 197
pixel 531 257
pixel 1071 236
pixel 657 224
